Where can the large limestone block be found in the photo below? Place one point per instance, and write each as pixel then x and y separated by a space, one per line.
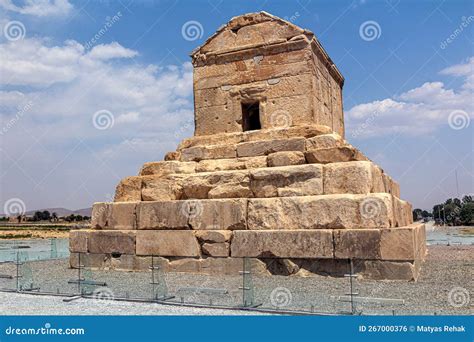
pixel 129 190
pixel 78 241
pixel 180 243
pixel 282 181
pixel 334 155
pixel 162 168
pixel 399 243
pixel 283 244
pixel 163 215
pixel 402 211
pixel 100 211
pixel 387 270
pixel 114 216
pixel 214 235
pixel 357 177
pixel 324 211
pixel 221 184
pixel 357 243
pixel 231 164
pixel 158 188
pixel 111 241
pixel 219 214
pixel 121 216
pixel 286 158
pixel 324 141
pixel 220 249
pixel 198 153
pixel 90 260
pixel 259 148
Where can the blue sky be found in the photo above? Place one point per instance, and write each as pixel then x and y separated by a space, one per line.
pixel 407 95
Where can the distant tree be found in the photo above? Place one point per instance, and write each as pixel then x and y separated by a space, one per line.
pixel 46 215
pixel 426 214
pixel 417 214
pixel 467 199
pixel 54 216
pixel 466 215
pixel 38 216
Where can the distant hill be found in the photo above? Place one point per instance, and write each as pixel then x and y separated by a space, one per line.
pixel 63 211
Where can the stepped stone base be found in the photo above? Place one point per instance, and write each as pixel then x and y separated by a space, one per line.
pixel 386 253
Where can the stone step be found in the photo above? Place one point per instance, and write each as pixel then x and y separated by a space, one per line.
pixel 356 177
pixel 402 244
pixel 306 131
pixel 347 211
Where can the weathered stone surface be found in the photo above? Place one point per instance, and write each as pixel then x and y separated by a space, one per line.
pixel 264 147
pixel 391 186
pixel 121 216
pixel 283 267
pixel 94 261
pixel 283 181
pixel 181 243
pixel 357 177
pixel 357 243
pixel 231 164
pixel 334 155
pixel 111 241
pixel 388 270
pixel 324 141
pixel 214 235
pixel 127 262
pixel 219 214
pixel 162 168
pixel 221 184
pixel 398 243
pixel 163 215
pixel 285 158
pixel 129 190
pixel 99 215
pixel 220 249
pixel 283 244
pixel 402 212
pixel 306 130
pixel 326 211
pixel 173 155
pixel 78 240
pixel 156 188
pixel 208 152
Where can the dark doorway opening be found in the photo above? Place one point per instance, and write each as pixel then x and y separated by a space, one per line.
pixel 251 116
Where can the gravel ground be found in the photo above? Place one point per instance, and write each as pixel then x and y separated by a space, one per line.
pixel 444 287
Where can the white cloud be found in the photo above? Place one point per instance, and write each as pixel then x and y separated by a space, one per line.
pixel 48 96
pixel 109 51
pixel 128 117
pixel 418 111
pixel 39 8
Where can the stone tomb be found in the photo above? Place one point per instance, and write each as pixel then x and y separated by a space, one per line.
pixel 267 175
